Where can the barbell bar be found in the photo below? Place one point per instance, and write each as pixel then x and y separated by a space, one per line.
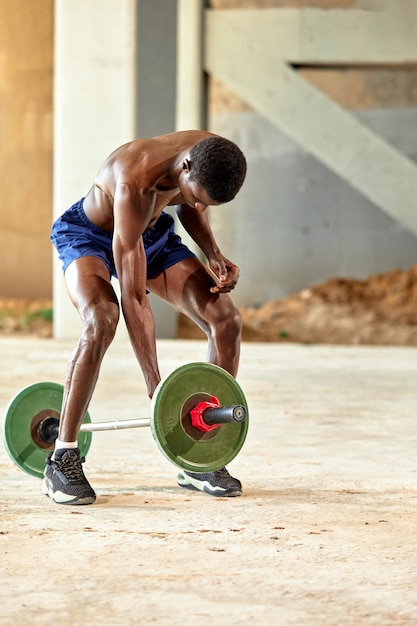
pixel 199 420
pixel 212 417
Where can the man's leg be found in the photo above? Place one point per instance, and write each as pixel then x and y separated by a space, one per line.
pixel 186 287
pixel 88 284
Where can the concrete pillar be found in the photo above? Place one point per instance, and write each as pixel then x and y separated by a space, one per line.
pixel 191 102
pixel 93 109
pixel 155 71
pixel 191 98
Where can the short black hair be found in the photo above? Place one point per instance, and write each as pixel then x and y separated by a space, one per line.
pixel 218 165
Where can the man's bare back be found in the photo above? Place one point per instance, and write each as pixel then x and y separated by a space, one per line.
pixel 145 166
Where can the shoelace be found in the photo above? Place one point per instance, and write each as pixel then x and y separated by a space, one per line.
pixel 71 468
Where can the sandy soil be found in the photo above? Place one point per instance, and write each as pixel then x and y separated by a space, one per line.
pixel 324 534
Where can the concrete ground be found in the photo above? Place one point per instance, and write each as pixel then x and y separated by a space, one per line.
pixel 324 535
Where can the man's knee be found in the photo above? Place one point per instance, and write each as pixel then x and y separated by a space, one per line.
pixel 235 319
pixel 226 319
pixel 100 323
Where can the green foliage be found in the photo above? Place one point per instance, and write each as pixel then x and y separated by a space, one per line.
pixel 43 315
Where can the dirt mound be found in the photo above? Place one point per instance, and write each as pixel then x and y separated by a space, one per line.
pixel 381 310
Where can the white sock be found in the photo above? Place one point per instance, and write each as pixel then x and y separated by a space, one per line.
pixel 60 445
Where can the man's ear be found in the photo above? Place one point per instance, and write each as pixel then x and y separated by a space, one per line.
pixel 186 165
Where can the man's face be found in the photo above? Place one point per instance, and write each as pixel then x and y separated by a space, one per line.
pixel 195 195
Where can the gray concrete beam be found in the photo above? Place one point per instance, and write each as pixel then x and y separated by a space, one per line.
pixel 312 36
pixel 258 74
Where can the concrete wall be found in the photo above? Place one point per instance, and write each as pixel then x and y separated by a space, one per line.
pixel 295 222
pixel 26 72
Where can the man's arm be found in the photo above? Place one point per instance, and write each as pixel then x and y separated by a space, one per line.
pixel 131 216
pixel 197 225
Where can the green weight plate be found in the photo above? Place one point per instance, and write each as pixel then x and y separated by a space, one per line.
pixel 178 440
pixel 23 414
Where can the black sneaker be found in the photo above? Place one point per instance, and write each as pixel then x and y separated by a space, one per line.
pixel 64 479
pixel 218 483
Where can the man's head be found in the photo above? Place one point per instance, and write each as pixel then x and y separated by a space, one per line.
pixel 218 166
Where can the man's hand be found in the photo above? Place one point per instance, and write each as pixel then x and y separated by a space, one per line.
pixel 225 273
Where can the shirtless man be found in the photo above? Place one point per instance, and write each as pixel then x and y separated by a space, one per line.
pixel 120 230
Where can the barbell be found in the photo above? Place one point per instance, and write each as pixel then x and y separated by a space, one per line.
pixel 199 420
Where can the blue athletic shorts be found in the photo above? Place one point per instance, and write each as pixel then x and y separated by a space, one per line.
pixel 74 236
